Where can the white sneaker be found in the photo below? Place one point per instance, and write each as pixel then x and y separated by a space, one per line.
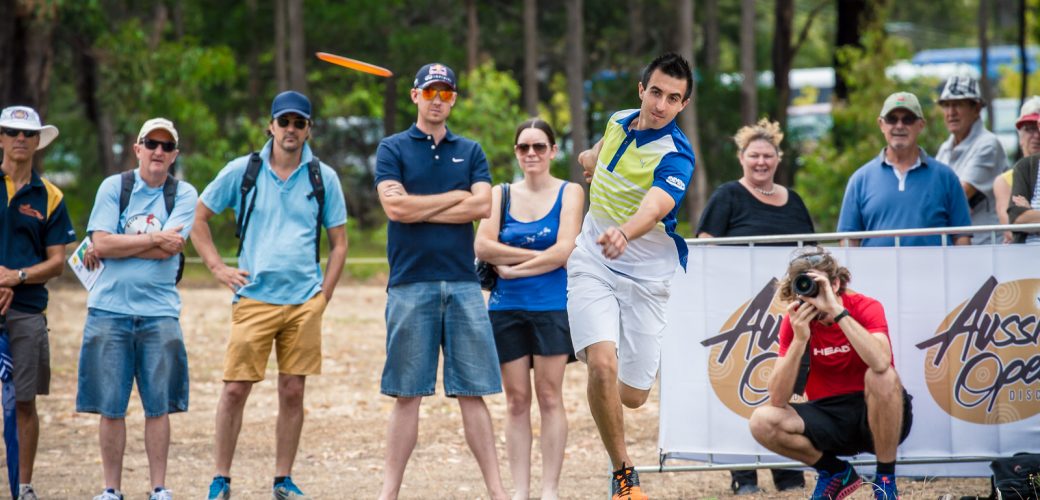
pixel 25 492
pixel 162 494
pixel 110 494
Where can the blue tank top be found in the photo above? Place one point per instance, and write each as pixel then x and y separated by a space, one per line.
pixel 544 292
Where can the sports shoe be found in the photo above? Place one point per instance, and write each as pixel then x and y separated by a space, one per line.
pixel 110 494
pixel 885 487
pixel 161 494
pixel 25 492
pixel 624 485
pixel 836 486
pixel 286 490
pixel 747 489
pixel 219 489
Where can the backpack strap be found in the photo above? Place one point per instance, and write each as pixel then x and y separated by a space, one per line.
pixel 169 193
pixel 126 188
pixel 248 183
pixel 504 208
pixel 318 193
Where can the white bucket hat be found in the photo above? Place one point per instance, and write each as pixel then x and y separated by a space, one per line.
pixel 26 118
pixel 962 87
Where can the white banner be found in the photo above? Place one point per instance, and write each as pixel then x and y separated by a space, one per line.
pixel 965 329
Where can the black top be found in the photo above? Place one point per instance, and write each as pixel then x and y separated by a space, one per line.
pixel 734 211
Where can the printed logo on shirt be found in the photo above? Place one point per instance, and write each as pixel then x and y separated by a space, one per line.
pixel 142 224
pixel 27 209
pixel 676 182
pixel 831 350
pixel 981 365
pixel 457 160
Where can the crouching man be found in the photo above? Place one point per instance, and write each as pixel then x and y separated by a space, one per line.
pixel 856 401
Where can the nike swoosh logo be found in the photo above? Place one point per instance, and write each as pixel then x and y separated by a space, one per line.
pixel 457 160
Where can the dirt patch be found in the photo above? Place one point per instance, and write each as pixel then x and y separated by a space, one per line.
pixel 341 453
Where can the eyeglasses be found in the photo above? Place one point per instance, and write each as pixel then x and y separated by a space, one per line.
pixel 429 94
pixel 13 132
pixel 1029 128
pixel 298 123
pixel 905 119
pixel 167 146
pixel 539 148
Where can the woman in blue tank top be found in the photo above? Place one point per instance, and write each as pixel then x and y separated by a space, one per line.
pixel 528 306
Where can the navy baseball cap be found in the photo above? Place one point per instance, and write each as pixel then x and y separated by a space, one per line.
pixel 291 101
pixel 433 73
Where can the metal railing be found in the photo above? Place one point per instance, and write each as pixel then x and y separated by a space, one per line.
pixel 994 230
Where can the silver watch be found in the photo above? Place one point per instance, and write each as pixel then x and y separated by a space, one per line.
pixel 22 276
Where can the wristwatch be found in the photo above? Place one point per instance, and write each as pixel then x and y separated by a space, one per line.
pixel 22 276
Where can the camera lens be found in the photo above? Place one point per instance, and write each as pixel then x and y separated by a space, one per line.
pixel 804 285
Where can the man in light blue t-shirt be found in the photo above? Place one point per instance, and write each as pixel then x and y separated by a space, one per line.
pixel 280 292
pixel 132 330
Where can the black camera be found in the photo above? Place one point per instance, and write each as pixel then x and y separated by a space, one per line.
pixel 804 285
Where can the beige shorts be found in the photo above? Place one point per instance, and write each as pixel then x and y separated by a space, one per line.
pixel 294 329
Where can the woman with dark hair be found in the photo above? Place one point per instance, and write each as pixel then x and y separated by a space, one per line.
pixel 528 305
pixel 755 205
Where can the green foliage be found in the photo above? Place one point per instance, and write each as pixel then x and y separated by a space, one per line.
pixel 856 138
pixel 488 112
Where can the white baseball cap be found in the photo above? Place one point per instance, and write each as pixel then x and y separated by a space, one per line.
pixel 26 118
pixel 158 124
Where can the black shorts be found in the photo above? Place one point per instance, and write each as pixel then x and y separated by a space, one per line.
pixel 525 333
pixel 838 424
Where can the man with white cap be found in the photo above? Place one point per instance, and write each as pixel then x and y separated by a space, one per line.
pixel 1029 144
pixel 34 229
pixel 140 222
pixel 973 152
pixel 902 187
pixel 280 292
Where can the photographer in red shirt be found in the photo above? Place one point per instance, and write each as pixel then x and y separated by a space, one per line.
pixel 856 401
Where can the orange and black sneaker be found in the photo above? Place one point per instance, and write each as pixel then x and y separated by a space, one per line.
pixel 624 485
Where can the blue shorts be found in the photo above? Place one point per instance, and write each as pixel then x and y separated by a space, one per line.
pixel 422 318
pixel 118 348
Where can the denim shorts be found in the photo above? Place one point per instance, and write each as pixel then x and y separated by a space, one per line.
pixel 119 348
pixel 421 319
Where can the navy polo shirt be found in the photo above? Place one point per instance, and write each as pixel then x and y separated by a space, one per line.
pixel 426 251
pixel 31 219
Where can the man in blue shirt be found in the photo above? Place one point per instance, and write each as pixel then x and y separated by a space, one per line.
pixel 903 188
pixel 132 329
pixel 280 292
pixel 34 229
pixel 433 184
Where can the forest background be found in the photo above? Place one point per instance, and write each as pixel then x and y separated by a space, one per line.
pixel 99 68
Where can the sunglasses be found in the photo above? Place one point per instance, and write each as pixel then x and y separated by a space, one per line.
pixel 538 147
pixel 13 132
pixel 298 123
pixel 445 95
pixel 167 146
pixel 905 119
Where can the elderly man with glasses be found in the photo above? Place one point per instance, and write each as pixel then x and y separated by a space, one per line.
pixel 282 196
pixel 34 229
pixel 139 224
pixel 902 187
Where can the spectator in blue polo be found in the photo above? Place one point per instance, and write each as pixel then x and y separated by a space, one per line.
pixel 903 187
pixel 280 292
pixel 433 185
pixel 34 229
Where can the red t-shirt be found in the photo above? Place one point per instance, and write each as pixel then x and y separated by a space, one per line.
pixel 834 366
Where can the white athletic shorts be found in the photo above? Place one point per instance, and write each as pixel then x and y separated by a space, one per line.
pixel 603 305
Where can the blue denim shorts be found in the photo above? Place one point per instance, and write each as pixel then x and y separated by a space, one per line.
pixel 421 319
pixel 117 349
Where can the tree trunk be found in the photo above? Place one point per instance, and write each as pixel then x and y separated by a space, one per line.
pixel 472 36
pixel 87 82
pixel 531 57
pixel 160 14
pixel 983 19
pixel 297 47
pixel 281 69
pixel 711 35
pixel 850 19
pixel 636 29
pixel 27 43
pixel 390 106
pixel 698 196
pixel 749 84
pixel 253 83
pixel 1023 70
pixel 783 54
pixel 575 63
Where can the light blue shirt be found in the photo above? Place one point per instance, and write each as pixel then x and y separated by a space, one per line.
pixel 279 243
pixel 133 286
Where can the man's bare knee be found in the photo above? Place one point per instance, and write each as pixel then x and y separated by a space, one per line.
pixel 764 423
pixel 884 385
pixel 602 368
pixel 632 397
